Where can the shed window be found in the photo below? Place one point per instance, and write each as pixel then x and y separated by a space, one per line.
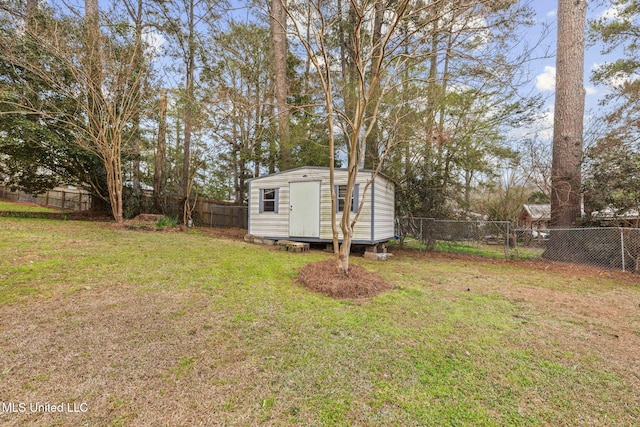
pixel 269 200
pixel 341 193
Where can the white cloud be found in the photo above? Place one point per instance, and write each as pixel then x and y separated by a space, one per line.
pixel 153 41
pixel 547 80
pixel 591 90
pixel 542 127
pixel 546 122
pixel 619 79
pixel 612 13
pixel 552 13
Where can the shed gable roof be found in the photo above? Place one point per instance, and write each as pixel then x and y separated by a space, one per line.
pixel 322 168
pixel 538 212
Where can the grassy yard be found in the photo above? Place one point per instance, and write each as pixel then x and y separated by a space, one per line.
pixel 494 251
pixel 160 328
pixel 24 207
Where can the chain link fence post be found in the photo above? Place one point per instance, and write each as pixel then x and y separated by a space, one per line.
pixel 622 248
pixel 508 245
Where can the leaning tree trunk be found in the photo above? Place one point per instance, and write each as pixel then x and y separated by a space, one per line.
pixel 569 114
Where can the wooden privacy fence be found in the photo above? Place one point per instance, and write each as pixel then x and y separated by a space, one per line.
pixel 212 214
pixel 64 199
pixel 206 212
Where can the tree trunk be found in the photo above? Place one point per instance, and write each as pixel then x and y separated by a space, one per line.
pixel 32 10
pixel 372 155
pixel 432 94
pixel 105 143
pixel 188 112
pixel 569 114
pixel 158 171
pixel 468 178
pixel 279 40
pixel 93 59
pixel 113 168
pixel 135 121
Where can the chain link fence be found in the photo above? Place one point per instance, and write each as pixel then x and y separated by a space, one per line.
pixel 611 248
pixel 607 247
pixel 487 238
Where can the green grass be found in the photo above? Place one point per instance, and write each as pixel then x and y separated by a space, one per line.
pixel 442 348
pixel 19 207
pixel 166 221
pixel 496 251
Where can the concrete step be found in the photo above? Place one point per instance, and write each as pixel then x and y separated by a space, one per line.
pixel 290 246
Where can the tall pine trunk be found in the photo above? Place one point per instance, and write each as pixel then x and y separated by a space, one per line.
pixel 158 170
pixel 372 147
pixel 188 114
pixel 135 121
pixel 569 114
pixel 279 40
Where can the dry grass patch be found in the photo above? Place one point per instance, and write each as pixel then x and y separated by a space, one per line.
pixel 129 355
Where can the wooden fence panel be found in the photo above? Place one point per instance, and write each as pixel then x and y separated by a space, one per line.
pixel 63 199
pixel 212 214
pixel 207 212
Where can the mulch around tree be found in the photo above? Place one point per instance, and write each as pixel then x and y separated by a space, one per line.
pixel 323 277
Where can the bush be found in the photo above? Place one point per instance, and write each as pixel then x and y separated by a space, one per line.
pixel 166 221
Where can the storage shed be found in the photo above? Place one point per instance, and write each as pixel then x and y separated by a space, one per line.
pixel 296 205
pixel 535 217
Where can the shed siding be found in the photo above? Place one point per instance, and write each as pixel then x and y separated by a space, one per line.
pixel 362 229
pixel 384 209
pixel 273 225
pixel 269 223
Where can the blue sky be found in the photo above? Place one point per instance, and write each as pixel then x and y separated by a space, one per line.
pixel 544 69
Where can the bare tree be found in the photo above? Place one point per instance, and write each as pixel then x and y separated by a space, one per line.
pixel 373 69
pixel 569 114
pixel 374 59
pixel 186 23
pixel 103 83
pixel 136 13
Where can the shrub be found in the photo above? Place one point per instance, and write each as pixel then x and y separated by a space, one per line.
pixel 166 221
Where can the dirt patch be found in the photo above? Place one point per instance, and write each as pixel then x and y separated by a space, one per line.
pixel 224 233
pixel 148 217
pixel 323 277
pixel 148 222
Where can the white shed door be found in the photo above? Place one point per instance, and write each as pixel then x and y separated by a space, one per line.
pixel 304 209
